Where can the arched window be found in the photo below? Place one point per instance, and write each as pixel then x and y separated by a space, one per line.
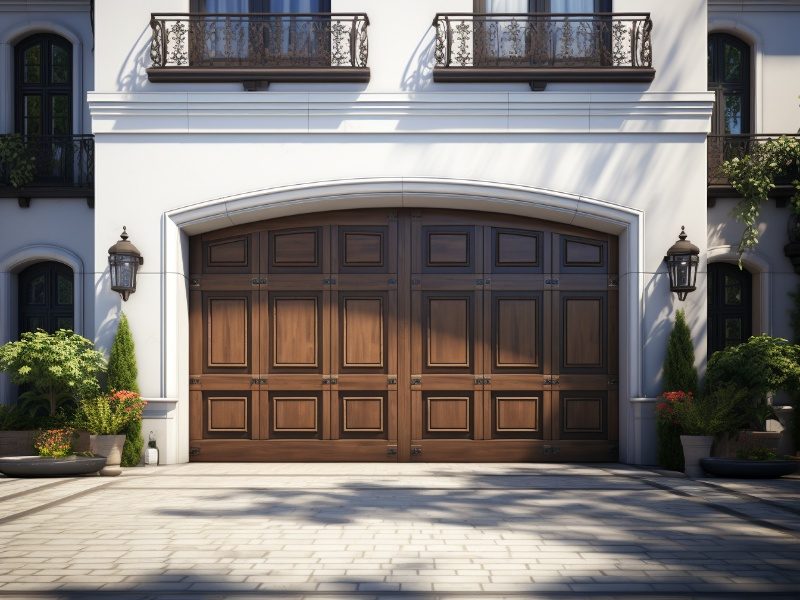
pixel 43 85
pixel 729 79
pixel 730 306
pixel 46 297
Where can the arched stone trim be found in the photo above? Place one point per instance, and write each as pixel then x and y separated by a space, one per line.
pixel 759 267
pixel 754 39
pixel 7 43
pixel 455 194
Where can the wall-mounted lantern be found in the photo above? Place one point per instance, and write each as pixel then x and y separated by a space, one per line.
pixel 682 260
pixel 123 261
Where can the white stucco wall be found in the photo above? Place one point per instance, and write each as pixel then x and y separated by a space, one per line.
pixel 633 152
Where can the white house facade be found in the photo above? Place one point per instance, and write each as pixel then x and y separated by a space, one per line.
pixel 393 231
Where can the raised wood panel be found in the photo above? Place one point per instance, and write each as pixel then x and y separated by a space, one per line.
pixel 517 332
pixel 227 327
pixel 517 413
pixel 227 413
pixel 583 255
pixel 361 247
pixel 227 256
pixel 295 337
pixel 584 342
pixel 583 415
pixel 447 413
pixel 295 414
pixel 295 249
pixel 363 332
pixel 516 251
pixel 448 249
pixel 362 414
pixel 448 332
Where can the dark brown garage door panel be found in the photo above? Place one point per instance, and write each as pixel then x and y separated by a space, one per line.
pixel 403 335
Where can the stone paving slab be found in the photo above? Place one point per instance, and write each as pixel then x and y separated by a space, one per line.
pixel 406 531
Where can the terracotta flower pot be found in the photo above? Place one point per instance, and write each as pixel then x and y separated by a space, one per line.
pixel 695 447
pixel 109 446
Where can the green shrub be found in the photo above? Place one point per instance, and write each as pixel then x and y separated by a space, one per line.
pixel 716 414
pixel 679 370
pixel 122 374
pixel 109 415
pixel 756 453
pixel 55 366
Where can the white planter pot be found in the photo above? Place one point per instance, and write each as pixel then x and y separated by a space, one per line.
pixel 695 447
pixel 109 446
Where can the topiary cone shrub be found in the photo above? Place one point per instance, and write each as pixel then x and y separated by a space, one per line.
pixel 122 374
pixel 680 377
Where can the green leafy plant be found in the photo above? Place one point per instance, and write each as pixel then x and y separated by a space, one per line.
pixel 753 176
pixel 760 366
pixel 679 370
pixel 19 163
pixel 55 366
pixel 15 418
pixel 54 443
pixel 110 414
pixel 716 414
pixel 122 374
pixel 756 453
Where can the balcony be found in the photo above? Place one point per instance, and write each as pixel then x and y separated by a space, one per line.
pixel 540 48
pixel 258 48
pixel 62 167
pixel 725 147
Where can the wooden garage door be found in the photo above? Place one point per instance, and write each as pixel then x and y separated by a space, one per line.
pixel 403 335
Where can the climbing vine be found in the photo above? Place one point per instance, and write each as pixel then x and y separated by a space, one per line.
pixel 753 176
pixel 20 165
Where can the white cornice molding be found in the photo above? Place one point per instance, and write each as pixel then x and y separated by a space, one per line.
pixel 754 6
pixel 50 6
pixel 337 113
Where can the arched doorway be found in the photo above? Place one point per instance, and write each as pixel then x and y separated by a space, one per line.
pixel 46 297
pixel 405 334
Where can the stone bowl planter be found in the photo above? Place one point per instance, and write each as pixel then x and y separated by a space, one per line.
pixel 40 466
pixel 749 469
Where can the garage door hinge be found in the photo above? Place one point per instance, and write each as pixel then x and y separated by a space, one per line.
pixel 483 380
pixel 416 380
pixel 330 380
pixel 259 381
pixel 330 281
pixel 551 380
pixel 391 450
pixel 194 283
pixel 551 281
pixel 483 281
pixel 259 281
pixel 391 380
pixel 194 381
pixel 194 451
pixel 613 282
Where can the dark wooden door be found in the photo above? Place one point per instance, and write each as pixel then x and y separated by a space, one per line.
pixel 410 335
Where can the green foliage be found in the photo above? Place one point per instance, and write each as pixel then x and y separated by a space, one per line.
pixel 109 415
pixel 122 370
pixel 54 366
pixel 134 443
pixel 717 413
pixel 756 453
pixel 759 366
pixel 679 370
pixel 20 163
pixel 15 418
pixel 54 443
pixel 753 176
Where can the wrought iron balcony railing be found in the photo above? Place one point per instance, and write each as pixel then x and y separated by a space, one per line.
pixel 259 47
pixel 540 48
pixel 726 147
pixel 61 166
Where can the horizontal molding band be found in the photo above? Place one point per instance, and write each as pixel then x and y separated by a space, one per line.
pixel 288 75
pixel 544 74
pixel 432 112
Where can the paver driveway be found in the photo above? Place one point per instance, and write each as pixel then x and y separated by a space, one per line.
pixel 407 530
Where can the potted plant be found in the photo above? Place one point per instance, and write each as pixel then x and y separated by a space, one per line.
pixel 701 419
pixel 122 375
pixel 105 418
pixel 55 458
pixel 760 367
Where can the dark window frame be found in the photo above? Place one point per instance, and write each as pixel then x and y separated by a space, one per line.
pixel 45 89
pixel 718 310
pixel 256 6
pixel 51 310
pixel 721 88
pixel 543 6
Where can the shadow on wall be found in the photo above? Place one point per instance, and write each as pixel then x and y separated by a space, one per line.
pixel 132 76
pixel 418 72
